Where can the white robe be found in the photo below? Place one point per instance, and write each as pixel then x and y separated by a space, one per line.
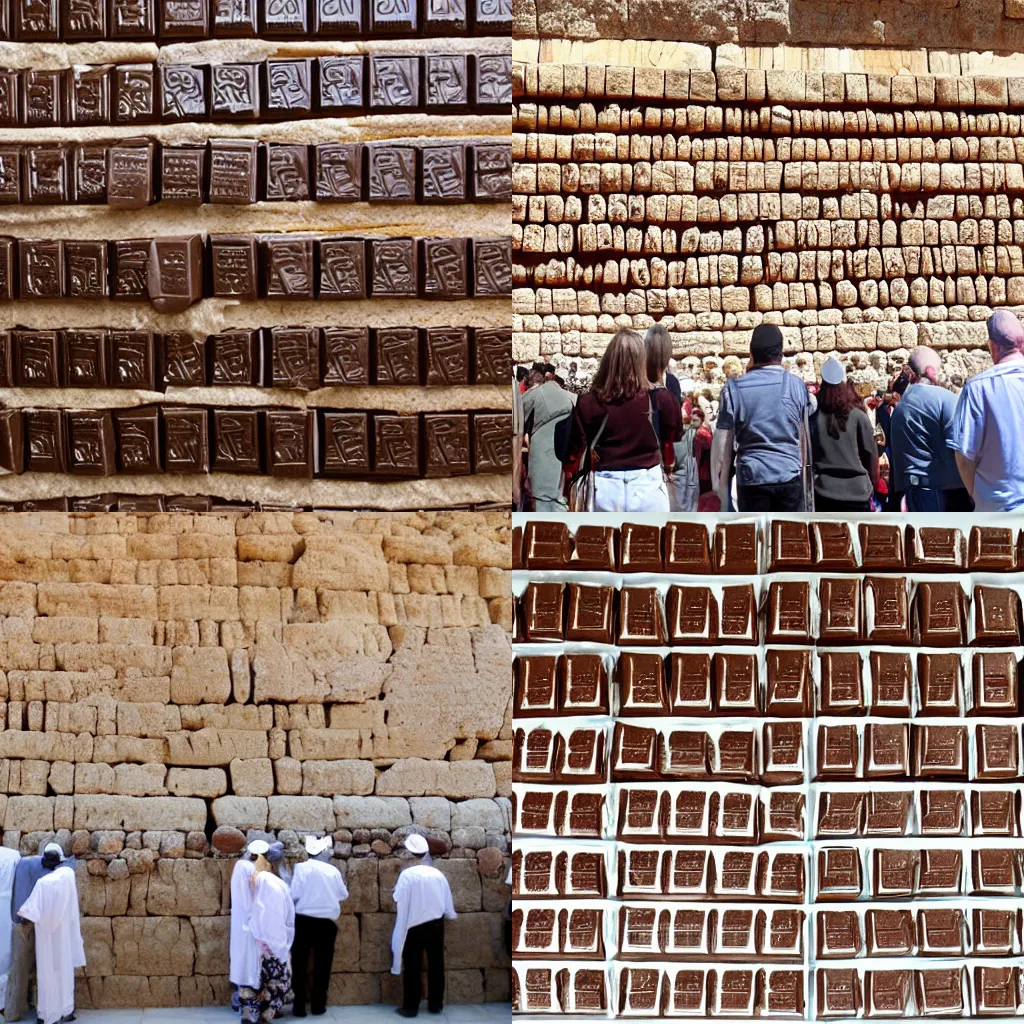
pixel 8 862
pixel 421 894
pixel 272 917
pixel 245 957
pixel 53 906
pixel 318 890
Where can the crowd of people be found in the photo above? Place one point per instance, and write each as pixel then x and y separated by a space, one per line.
pixel 281 919
pixel 779 443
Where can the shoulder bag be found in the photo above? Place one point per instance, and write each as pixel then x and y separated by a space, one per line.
pixel 581 489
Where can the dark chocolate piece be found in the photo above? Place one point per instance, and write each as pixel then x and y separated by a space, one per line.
pixel 640 548
pixel 43 98
pixel 96 503
pixel 687 547
pixel 838 937
pixel 132 360
pixel 939 679
pixel 886 750
pixel 492 266
pixel 992 548
pixel 289 88
pixel 735 549
pixel 235 92
pixel 889 932
pixel 182 170
pixel 994 676
pixel 91 443
pixel 936 547
pixel 393 17
pixel 7 268
pixel 284 17
pixel 236 441
pixel 590 616
pixel 131 268
pixel 87 276
pixel 790 684
pixel 343 268
pixel 337 17
pixel 186 19
pixel 397 355
pixel 942 812
pixel 594 548
pixel 446 79
pixel 394 271
pixel 445 19
pixel 45 441
pixel 287 171
pixel 995 931
pixel 446 448
pixel 493 84
pixel 396 444
pixel 183 92
pixel 140 503
pixel 738 618
pixel 535 687
pixel 791 545
pixel 289 442
pixel 996 991
pixel 996 617
pixel 184 361
pixel 640 618
pixel 789 613
pixel 235 357
pixel 233 171
pixel 492 355
pixel 339 172
pixel 35 20
pixel 784 819
pixel 894 874
pixel 841 619
pixel 341 85
pixel 447 355
pixel 840 814
pixel 443 177
pixel 998 752
pixel 492 443
pixel 842 686
pixel 494 14
pixel 175 279
pixel 233 266
pixel 736 686
pixel 295 357
pixel 89 100
pixel 546 545
pixel 88 174
pixel 138 439
pixel 186 440
pixel 940 614
pixel 135 94
pixel 891 676
pixel 394 80
pixel 689 678
pixel 6 360
pixel 940 751
pixel 9 79
pixel 133 19
pixel 10 174
pixel 692 614
pixel 833 545
pixel 995 872
pixel 85 19
pixel 130 174
pixel 345 445
pixel 42 269
pixel 940 992
pixel 881 546
pixel 543 610
pixel 839 873
pixel 346 356
pixel 993 813
pixel 492 171
pixel 444 268
pixel 886 610
pixel 46 174
pixel 44 505
pixel 940 931
pixel 584 684
pixel 288 267
pixel 37 359
pixel 391 173
pixel 12 441
pixel 838 751
pixel 234 18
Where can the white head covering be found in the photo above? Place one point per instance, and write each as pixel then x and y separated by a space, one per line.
pixel 258 846
pixel 314 846
pixel 832 371
pixel 54 848
pixel 415 843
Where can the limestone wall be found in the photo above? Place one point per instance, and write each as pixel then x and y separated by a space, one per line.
pixel 865 200
pixel 171 685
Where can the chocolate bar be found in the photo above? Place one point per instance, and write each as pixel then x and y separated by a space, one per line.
pixel 881 546
pixel 132 360
pixel 182 174
pixel 45 434
pixel 186 440
pixel 236 441
pixel 138 440
pixel 640 617
pixel 175 276
pixel 233 170
pixel 288 442
pixel 790 545
pixel 91 443
pixel 288 87
pixel 941 614
pixel 996 616
pixel 992 548
pixel 841 618
pixel 345 444
pixel 294 357
pixel 397 355
pixel 446 449
pixel 396 444
pixel 842 687
pixel 287 172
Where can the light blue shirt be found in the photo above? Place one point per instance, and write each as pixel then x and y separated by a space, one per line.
pixel 919 435
pixel 988 429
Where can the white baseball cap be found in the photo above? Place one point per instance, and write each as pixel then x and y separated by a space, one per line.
pixel 54 848
pixel 258 846
pixel 416 843
pixel 832 371
pixel 316 846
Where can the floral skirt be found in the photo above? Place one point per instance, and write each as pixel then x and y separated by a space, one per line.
pixel 260 1006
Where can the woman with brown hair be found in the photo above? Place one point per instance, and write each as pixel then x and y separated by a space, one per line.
pixel 843 446
pixel 635 425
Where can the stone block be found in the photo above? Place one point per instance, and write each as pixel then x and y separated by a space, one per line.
pixel 371 812
pixel 472 940
pixel 483 813
pixel 140 779
pixel 341 562
pixel 328 778
pixel 139 813
pixel 361 877
pixel 98 939
pixel 29 814
pixel 375 942
pixel 204 782
pixel 200 675
pixel 353 990
pixel 346 946
pixel 212 944
pixel 154 946
pixel 303 813
pixel 186 888
pixel 252 777
pixel 431 812
pixel 464 880
pixel 215 747
pixel 243 812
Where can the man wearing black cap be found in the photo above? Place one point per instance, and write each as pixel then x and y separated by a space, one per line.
pixel 763 413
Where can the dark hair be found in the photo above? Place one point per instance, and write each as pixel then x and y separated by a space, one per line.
pixel 522 372
pixel 622 372
pixel 834 403
pixel 766 344
pixel 658 343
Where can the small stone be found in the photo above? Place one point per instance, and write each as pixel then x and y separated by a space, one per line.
pixel 196 841
pixel 172 845
pixel 117 869
pixel 381 848
pixel 228 841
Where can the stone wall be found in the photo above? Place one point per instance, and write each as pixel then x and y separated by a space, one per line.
pixel 171 685
pixel 864 200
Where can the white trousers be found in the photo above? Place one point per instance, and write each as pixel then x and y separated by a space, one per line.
pixel 630 490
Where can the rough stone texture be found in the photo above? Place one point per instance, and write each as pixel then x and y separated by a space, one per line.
pixel 172 686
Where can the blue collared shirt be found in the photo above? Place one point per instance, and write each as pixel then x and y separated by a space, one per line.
pixel 919 434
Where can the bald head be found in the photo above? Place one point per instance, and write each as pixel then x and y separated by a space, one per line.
pixel 924 361
pixel 1005 334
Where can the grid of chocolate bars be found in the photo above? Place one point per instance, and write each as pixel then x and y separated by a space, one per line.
pixel 768 767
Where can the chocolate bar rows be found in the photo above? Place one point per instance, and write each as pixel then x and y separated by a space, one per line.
pixel 134 173
pixel 301 358
pixel 170 20
pixel 275 89
pixel 278 442
pixel 172 273
pixel 111 502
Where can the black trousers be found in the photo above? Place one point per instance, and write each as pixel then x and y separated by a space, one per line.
pixel 316 934
pixel 424 938
pixel 822 504
pixel 787 497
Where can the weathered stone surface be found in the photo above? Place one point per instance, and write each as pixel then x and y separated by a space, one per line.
pixel 305 813
pixel 337 777
pixel 241 812
pixel 212 945
pixel 126 812
pixel 431 812
pixel 228 840
pixel 419 777
pixel 200 675
pixel 185 887
pixel 371 812
pixel 154 946
pixel 253 777
pixel 205 782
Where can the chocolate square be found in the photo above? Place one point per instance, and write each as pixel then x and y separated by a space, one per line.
pixel 940 614
pixel 394 81
pixel 287 18
pixel 289 85
pixel 45 441
pixel 130 174
pixel 492 443
pixel 43 95
pixel 186 440
pixel 133 19
pixel 138 439
pixel 344 443
pixel 6 360
pixel 446 444
pixel 183 92
pixel 41 269
pixel 446 18
pixel 493 15
pixel 185 19
pixel 175 278
pixel 236 441
pixel 12 442
pixel 182 169
pixel 140 503
pixel 132 360
pixel 992 547
pixel 87 273
pixel 392 173
pixel 295 357
pixel 85 20
pixel 342 268
pixel 447 355
pixel 446 76
pixel 444 268
pixel 10 174
pixel 492 266
pixel 35 20
pixel 444 174
pixel 492 355
pixel 184 359
pixel 998 752
pixel 10 113
pixel 44 505
pixel 337 17
pixel 288 267
pixel 492 171
pixel 393 17
pixel 46 174
pixel 135 94
pixel 91 443
pixel 233 266
pixel 346 356
pixel 188 503
pixel 234 18
pixel 37 359
pixel 235 92
pixel 7 271
pixel 341 83
pixel 287 171
pixel 397 355
pixel 235 357
pixel 89 97
pixel 233 170
pixel 89 174
pixel 131 268
pixel 493 80
pixel 289 442
pixel 393 262
pixel 396 444
pixel 339 172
